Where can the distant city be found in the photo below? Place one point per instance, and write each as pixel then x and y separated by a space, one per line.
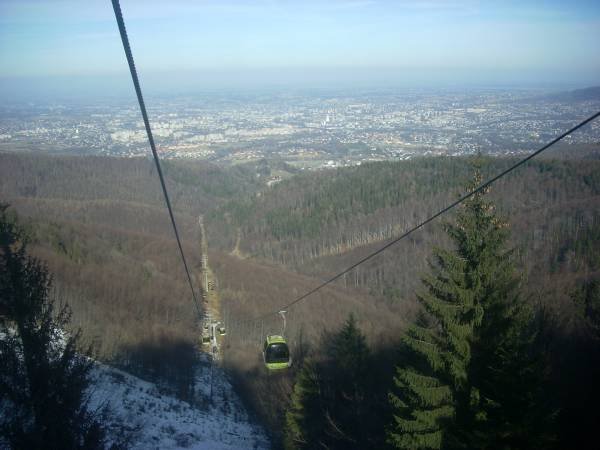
pixel 309 130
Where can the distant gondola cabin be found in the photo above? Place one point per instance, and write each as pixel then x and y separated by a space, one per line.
pixel 276 353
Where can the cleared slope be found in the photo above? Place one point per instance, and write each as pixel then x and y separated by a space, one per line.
pixel 153 420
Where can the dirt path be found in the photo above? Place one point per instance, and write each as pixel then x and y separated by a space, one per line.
pixel 236 250
pixel 210 296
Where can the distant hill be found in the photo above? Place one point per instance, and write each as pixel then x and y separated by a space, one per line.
pixel 578 95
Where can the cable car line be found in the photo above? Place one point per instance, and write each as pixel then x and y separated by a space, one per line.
pixel 138 91
pixel 430 219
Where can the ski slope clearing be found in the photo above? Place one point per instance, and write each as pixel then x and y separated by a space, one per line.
pixel 150 419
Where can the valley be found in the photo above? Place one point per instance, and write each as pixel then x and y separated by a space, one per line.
pixel 100 225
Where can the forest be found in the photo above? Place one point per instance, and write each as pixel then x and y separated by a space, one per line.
pixel 480 331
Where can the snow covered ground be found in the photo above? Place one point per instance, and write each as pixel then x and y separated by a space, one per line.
pixel 154 420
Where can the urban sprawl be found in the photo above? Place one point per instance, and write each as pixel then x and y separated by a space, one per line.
pixel 308 130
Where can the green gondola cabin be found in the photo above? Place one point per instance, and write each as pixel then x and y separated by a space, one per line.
pixel 276 353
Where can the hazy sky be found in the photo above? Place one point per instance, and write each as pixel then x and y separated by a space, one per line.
pixel 234 40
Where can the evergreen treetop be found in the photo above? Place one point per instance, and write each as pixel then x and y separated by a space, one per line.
pixel 454 386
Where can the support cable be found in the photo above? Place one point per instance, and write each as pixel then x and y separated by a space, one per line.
pixel 138 91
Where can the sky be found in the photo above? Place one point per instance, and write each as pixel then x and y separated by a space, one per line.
pixel 75 44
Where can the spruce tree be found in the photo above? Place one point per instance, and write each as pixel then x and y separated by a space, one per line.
pixel 302 425
pixel 456 386
pixel 332 405
pixel 507 369
pixel 433 382
pixel 42 376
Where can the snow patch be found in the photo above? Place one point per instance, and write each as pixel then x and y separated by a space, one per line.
pixel 158 421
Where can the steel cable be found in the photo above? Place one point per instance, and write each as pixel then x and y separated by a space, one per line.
pixel 138 91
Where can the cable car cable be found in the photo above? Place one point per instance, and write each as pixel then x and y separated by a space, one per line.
pixel 138 91
pixel 431 218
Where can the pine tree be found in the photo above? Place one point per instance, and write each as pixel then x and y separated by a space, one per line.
pixel 507 364
pixel 42 377
pixel 301 424
pixel 517 410
pixel 331 406
pixel 433 383
pixel 348 367
pixel 456 386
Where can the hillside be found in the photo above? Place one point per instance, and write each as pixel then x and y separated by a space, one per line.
pixel 320 222
pixel 110 248
pixel 118 192
pixel 101 226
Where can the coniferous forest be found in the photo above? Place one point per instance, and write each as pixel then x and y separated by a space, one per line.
pixel 481 331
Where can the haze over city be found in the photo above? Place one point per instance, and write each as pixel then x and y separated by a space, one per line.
pixel 66 48
pixel 318 84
